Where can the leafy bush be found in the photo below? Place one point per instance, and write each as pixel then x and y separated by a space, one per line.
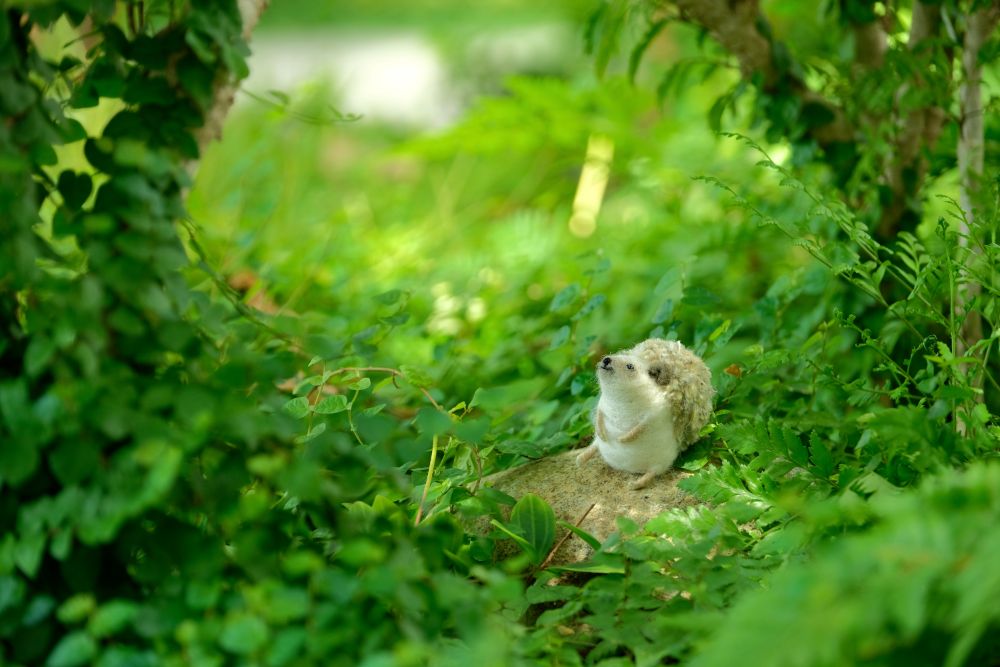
pixel 193 473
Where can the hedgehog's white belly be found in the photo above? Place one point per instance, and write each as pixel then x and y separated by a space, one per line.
pixel 653 451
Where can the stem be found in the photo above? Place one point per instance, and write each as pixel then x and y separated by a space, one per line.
pixel 392 371
pixel 350 418
pixel 427 484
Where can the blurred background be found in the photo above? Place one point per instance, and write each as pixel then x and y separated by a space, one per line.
pixel 468 155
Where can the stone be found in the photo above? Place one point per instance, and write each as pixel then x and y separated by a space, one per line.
pixel 572 489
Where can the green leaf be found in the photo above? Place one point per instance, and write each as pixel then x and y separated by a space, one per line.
pixel 791 444
pixel 592 304
pixel 531 449
pixel 76 608
pixel 28 553
pixel 316 431
pixel 197 79
pixel 654 29
pixel 591 541
pixel 472 430
pixel 287 604
pixel 695 457
pixel 600 565
pixel 105 78
pixel 112 617
pixel 331 404
pixel 560 337
pixel 373 410
pixel 286 645
pixel 360 384
pixel 699 297
pixel 283 99
pixel 395 320
pixel 781 541
pixel 565 297
pixel 431 421
pixel 243 634
pixel 507 396
pixel 821 457
pixel 75 188
pixel 611 23
pixel 385 298
pixel 534 520
pixel 298 407
pixel 12 590
pixel 525 545
pixel 266 465
pixel 664 313
pixel 37 610
pixel 308 383
pixel 416 376
pixel 76 648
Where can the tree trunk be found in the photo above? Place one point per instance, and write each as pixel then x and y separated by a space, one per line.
pixel 225 89
pixel 979 26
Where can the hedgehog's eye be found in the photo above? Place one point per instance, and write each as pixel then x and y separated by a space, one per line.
pixel 630 367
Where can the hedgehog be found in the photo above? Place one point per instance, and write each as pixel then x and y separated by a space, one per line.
pixel 655 399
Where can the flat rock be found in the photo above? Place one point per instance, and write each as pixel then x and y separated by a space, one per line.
pixel 571 489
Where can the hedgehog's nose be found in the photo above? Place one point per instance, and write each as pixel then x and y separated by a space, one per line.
pixel 606 361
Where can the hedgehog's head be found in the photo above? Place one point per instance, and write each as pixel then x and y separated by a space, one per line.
pixel 626 376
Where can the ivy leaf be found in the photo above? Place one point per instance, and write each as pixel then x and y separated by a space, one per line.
pixel 74 188
pixel 15 97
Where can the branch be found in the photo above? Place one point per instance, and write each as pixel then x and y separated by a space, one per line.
pixel 735 25
pixel 558 545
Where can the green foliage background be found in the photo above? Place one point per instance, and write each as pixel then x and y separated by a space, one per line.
pixel 188 479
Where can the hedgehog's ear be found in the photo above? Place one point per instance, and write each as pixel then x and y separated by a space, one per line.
pixel 659 374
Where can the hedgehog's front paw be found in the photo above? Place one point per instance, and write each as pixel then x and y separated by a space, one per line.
pixel 599 430
pixel 586 454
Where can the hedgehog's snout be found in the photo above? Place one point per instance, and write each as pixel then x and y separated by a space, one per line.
pixel 606 362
